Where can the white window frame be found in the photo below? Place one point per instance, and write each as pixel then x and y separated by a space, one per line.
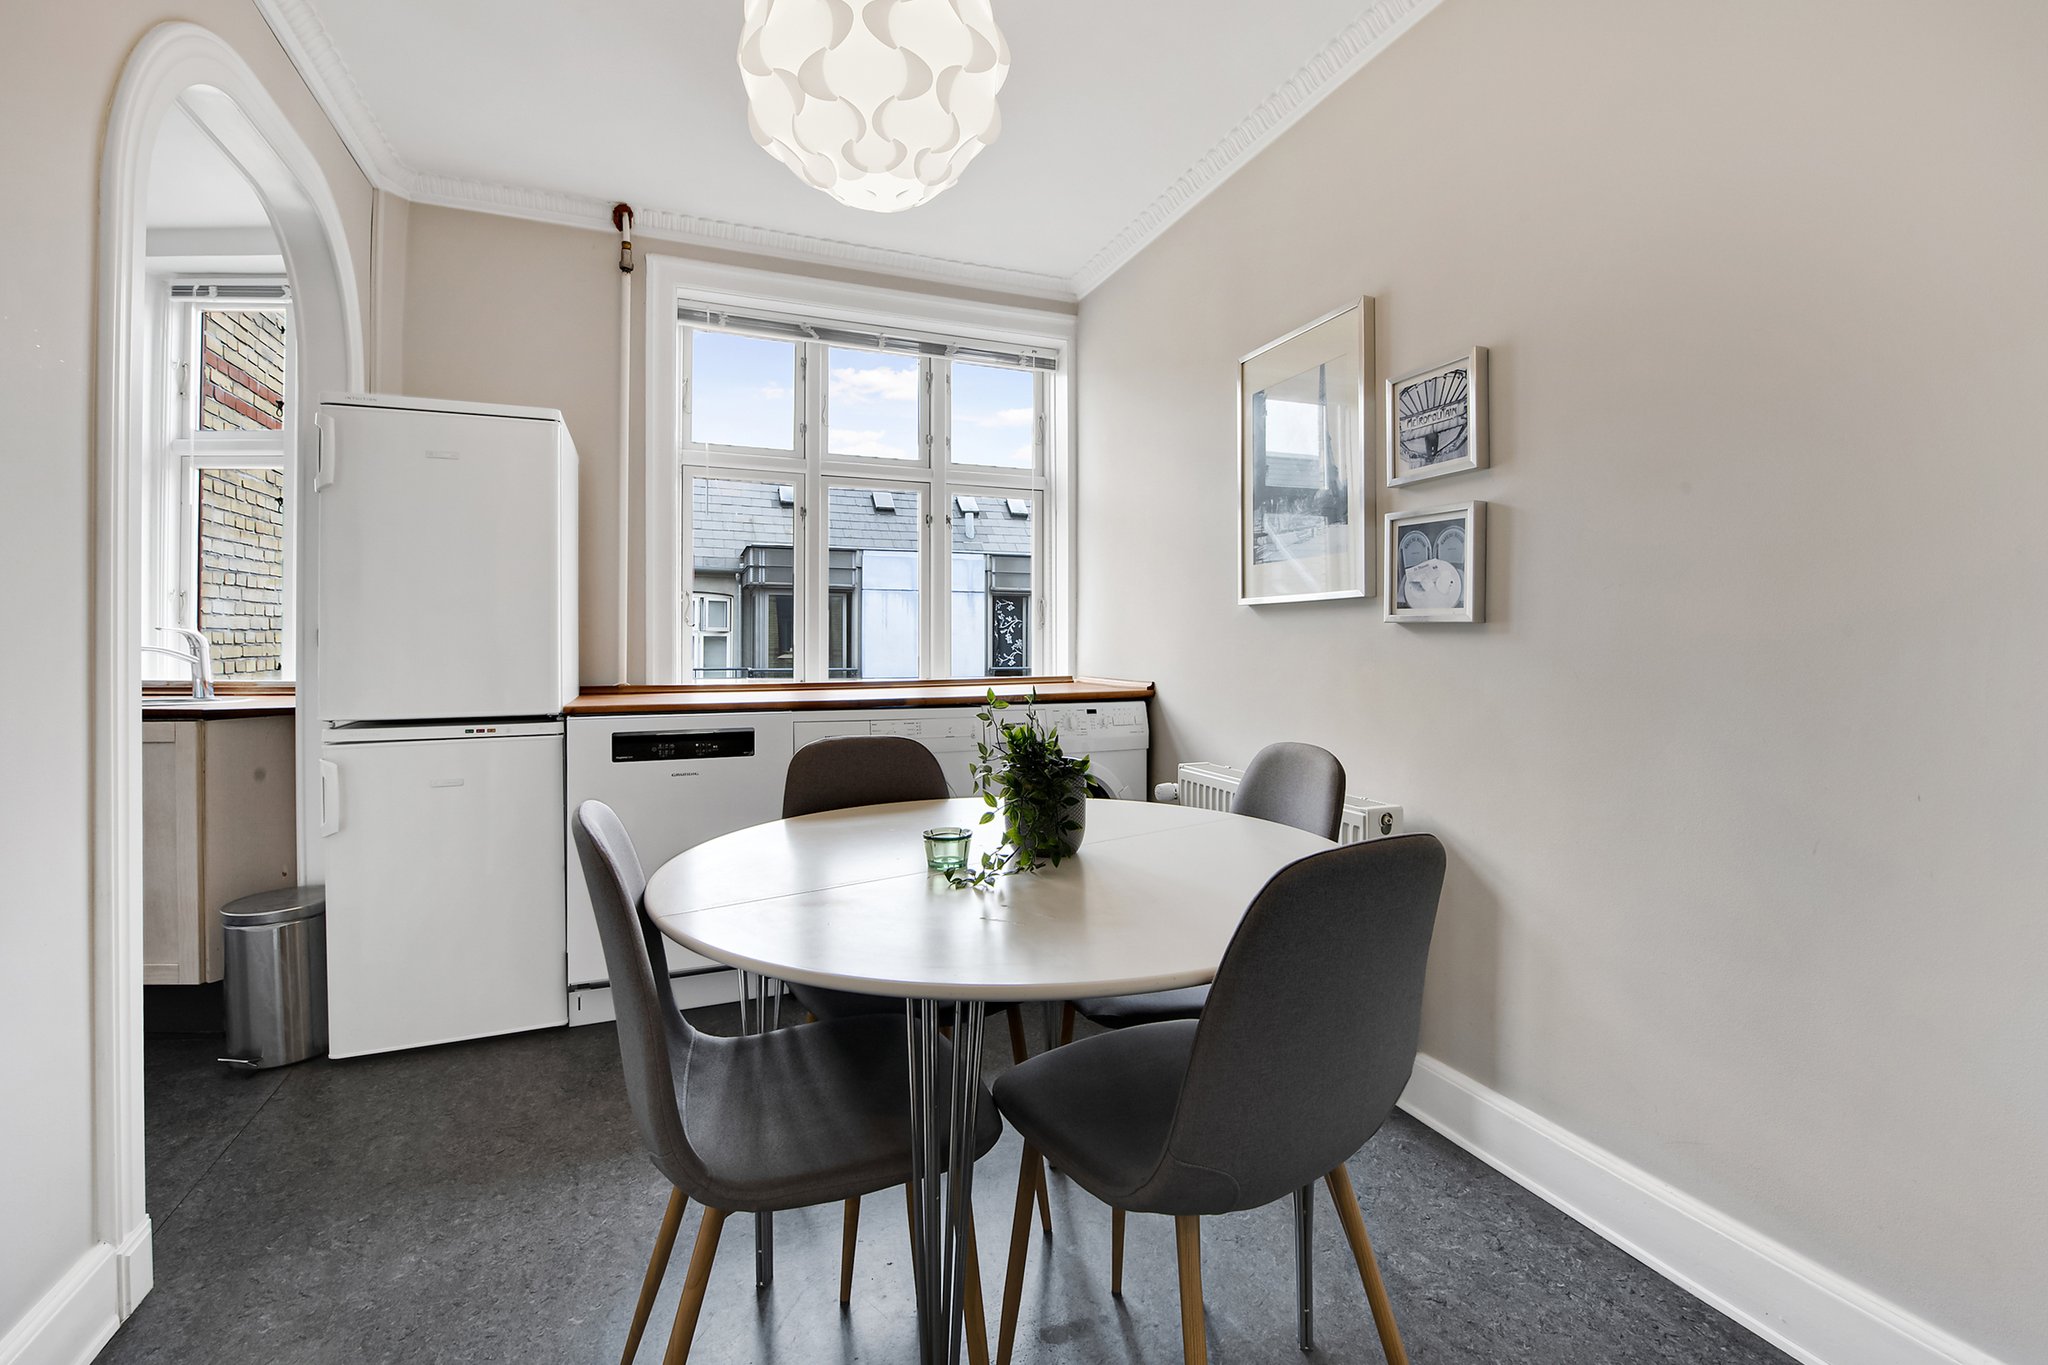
pixel 180 450
pixel 671 460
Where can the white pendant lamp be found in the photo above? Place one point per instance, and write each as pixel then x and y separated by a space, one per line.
pixel 879 103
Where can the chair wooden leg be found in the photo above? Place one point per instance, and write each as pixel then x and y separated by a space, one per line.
pixel 1067 1024
pixel 657 1266
pixel 1044 1203
pixel 1018 1051
pixel 1353 1219
pixel 976 1314
pixel 1116 1252
pixel 1187 1245
pixel 1029 1174
pixel 849 1235
pixel 692 1302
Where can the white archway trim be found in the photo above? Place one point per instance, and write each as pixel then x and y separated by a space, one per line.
pixel 183 64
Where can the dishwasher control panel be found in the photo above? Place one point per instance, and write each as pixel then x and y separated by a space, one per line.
pixel 666 746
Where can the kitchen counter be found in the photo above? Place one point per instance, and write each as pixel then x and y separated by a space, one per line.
pixel 236 706
pixel 628 701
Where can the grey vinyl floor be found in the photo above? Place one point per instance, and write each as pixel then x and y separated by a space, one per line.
pixel 486 1202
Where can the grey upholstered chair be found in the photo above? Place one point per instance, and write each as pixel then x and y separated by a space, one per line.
pixel 1307 1041
pixel 1289 784
pixel 862 770
pixel 779 1120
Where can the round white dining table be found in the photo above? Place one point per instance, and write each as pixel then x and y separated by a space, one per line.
pixel 843 900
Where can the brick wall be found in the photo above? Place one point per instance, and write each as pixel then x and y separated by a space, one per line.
pixel 241 511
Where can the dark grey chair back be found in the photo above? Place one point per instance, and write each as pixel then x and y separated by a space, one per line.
pixel 1293 784
pixel 653 1035
pixel 1311 1028
pixel 860 770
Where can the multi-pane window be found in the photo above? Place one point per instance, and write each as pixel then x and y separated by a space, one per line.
pixel 222 492
pixel 857 505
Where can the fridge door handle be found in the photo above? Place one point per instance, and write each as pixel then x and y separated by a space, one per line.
pixel 323 469
pixel 330 798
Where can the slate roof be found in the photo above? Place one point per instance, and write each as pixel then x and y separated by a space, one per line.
pixel 732 514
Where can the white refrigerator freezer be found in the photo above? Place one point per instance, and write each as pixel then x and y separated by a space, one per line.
pixel 446 650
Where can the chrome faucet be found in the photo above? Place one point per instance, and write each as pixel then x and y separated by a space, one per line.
pixel 200 659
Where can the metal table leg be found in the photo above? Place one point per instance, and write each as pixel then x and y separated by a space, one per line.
pixel 756 1016
pixel 1304 1264
pixel 943 1104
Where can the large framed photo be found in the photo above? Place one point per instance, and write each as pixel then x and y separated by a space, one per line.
pixel 1436 420
pixel 1436 564
pixel 1304 501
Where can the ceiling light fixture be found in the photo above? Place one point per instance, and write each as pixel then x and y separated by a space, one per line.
pixel 879 103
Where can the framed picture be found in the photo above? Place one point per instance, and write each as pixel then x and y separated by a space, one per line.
pixel 1304 501
pixel 1436 420
pixel 1436 564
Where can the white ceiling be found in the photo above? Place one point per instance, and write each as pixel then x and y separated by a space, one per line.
pixel 1116 113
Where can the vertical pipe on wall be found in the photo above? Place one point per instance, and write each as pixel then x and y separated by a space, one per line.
pixel 622 220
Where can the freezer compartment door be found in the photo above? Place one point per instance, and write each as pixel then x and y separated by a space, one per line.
pixel 443 540
pixel 445 881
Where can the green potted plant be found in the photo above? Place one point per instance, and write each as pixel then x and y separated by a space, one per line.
pixel 1041 793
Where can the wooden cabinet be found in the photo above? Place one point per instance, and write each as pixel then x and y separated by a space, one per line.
pixel 219 822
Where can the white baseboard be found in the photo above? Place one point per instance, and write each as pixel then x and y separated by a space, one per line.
pixel 1800 1307
pixel 135 1262
pixel 69 1324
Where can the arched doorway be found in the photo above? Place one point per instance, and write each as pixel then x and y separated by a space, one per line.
pixel 189 67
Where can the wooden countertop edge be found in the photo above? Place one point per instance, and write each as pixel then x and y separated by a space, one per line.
pixel 626 701
pixel 253 710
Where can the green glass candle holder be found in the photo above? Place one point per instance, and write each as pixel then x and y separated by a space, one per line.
pixel 945 849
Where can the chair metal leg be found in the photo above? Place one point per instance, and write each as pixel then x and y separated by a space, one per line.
pixel 657 1266
pixel 1116 1252
pixel 1353 1219
pixel 1305 1265
pixel 849 1236
pixel 692 1302
pixel 1187 1245
pixel 1029 1174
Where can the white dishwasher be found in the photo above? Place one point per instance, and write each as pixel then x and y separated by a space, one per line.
pixel 674 781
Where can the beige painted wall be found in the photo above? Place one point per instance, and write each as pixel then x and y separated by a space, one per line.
pixel 504 310
pixel 1744 780
pixel 59 65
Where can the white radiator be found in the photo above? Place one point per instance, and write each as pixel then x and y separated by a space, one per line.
pixel 1212 786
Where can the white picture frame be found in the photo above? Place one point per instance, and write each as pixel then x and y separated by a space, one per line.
pixel 1436 420
pixel 1304 414
pixel 1435 569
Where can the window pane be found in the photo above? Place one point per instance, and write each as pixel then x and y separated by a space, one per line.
pixel 995 416
pixel 241 370
pixel 871 407
pixel 992 588
pixel 241 570
pixel 742 580
pixel 874 612
pixel 742 391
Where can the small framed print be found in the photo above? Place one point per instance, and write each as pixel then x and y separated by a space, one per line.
pixel 1436 420
pixel 1436 564
pixel 1304 488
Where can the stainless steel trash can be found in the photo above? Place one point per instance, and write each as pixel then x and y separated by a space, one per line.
pixel 276 977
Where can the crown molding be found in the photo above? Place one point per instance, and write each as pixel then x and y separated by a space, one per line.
pixel 1342 56
pixel 304 39
pixel 575 210
pixel 312 51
